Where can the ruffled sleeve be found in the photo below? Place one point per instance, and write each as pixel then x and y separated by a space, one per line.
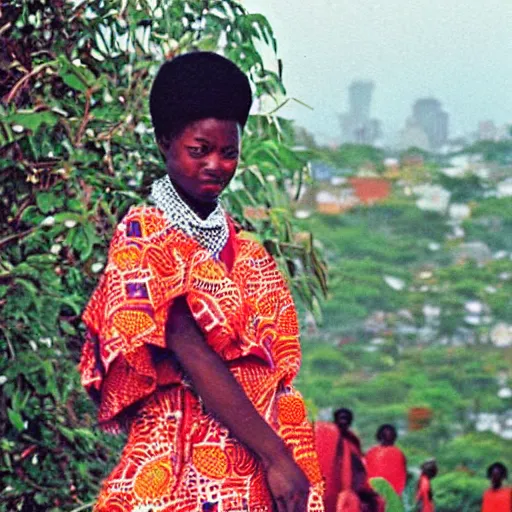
pixel 126 315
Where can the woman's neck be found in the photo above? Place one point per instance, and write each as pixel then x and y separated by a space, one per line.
pixel 201 209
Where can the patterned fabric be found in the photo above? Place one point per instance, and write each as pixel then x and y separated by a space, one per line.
pixel 211 233
pixel 388 462
pixel 178 457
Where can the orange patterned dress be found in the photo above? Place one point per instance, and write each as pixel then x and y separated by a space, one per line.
pixel 178 458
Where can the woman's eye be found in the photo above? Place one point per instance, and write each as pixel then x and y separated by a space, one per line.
pixel 231 153
pixel 197 151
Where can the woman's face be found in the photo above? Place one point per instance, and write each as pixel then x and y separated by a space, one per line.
pixel 202 160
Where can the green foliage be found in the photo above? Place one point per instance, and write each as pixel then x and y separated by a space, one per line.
pixel 458 492
pixel 468 188
pixel 493 151
pixel 353 156
pixel 323 359
pixel 384 488
pixel 475 451
pixel 76 151
pixel 389 365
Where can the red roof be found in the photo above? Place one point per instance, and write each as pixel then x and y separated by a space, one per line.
pixel 369 190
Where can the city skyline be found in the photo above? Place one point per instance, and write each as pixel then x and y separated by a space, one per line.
pixel 455 51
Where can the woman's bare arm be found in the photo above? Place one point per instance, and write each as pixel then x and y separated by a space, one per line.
pixel 223 396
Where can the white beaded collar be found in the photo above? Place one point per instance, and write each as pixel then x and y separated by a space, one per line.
pixel 212 233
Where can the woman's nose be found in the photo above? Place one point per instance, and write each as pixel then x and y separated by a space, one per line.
pixel 213 161
pixel 216 162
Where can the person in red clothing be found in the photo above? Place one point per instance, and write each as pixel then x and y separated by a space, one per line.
pixel 424 495
pixel 497 498
pixel 341 461
pixel 386 460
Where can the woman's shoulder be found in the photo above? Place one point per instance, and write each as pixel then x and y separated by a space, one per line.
pixel 373 450
pixel 142 222
pixel 250 246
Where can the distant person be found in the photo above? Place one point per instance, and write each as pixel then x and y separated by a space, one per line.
pixel 424 494
pixel 341 461
pixel 497 498
pixel 386 460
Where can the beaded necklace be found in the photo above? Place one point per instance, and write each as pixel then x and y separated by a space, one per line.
pixel 212 233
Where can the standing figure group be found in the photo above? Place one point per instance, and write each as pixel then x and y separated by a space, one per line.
pixel 347 471
pixel 347 487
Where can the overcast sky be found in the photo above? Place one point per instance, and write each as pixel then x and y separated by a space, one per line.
pixel 459 51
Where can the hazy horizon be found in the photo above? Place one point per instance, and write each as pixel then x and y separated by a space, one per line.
pixel 459 52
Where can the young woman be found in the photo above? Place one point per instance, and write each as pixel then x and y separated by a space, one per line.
pixel 193 339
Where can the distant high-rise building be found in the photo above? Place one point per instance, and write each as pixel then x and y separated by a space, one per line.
pixel 428 114
pixel 360 99
pixel 356 124
pixel 487 130
pixel 413 136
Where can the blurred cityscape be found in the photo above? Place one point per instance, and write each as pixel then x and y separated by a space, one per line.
pixel 427 127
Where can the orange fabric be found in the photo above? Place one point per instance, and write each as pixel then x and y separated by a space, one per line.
pixel 178 457
pixel 348 501
pixel 387 462
pixel 342 483
pixel 497 501
pixel 326 441
pixel 424 494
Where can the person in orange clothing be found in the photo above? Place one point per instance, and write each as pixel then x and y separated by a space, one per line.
pixel 386 460
pixel 346 483
pixel 497 498
pixel 424 494
pixel 192 341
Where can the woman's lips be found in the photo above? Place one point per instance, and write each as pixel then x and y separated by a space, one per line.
pixel 216 185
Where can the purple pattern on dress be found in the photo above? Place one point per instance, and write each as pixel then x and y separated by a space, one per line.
pixel 137 290
pixel 134 229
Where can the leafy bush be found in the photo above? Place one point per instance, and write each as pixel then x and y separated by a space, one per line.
pixel 458 492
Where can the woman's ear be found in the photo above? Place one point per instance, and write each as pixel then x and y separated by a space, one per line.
pixel 164 144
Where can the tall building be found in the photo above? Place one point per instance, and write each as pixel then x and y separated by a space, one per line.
pixel 429 115
pixel 413 136
pixel 487 130
pixel 356 125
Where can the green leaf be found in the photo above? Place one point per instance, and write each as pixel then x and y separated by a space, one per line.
pixel 40 498
pixel 64 216
pixel 67 328
pixel 67 433
pixel 384 488
pixel 45 201
pixel 30 287
pixel 74 82
pixel 33 120
pixel 16 420
pixel 72 304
